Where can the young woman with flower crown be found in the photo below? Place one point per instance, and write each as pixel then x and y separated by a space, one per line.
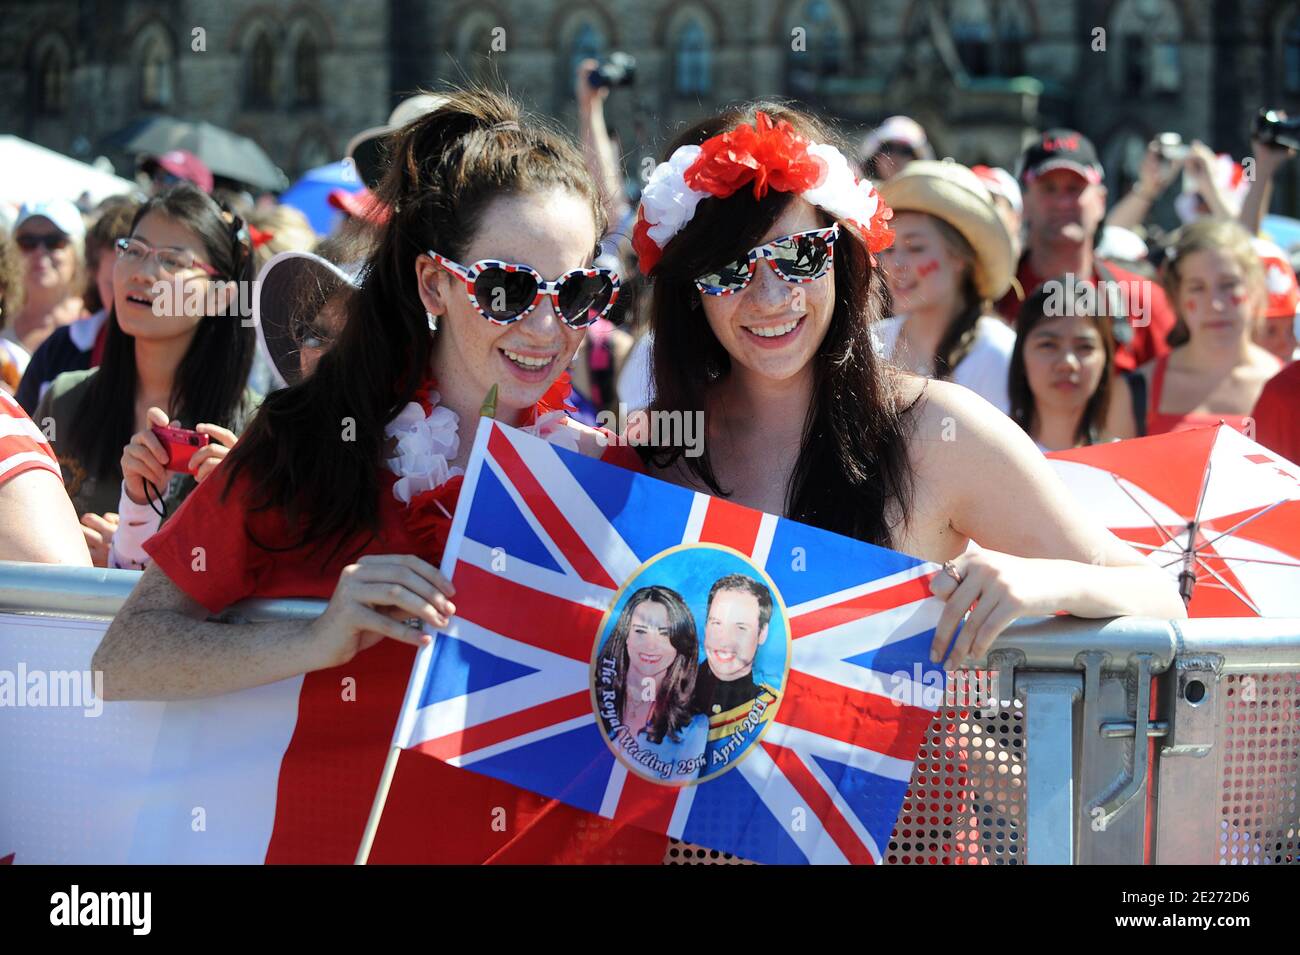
pixel 761 245
pixel 344 485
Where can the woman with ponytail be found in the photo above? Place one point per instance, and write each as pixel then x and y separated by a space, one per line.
pixel 344 484
pixel 176 351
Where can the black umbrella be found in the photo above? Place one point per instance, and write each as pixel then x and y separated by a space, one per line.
pixel 227 154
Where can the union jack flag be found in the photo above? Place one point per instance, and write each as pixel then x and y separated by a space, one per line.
pixel 543 543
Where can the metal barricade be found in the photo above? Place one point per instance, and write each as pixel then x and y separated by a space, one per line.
pixel 1084 741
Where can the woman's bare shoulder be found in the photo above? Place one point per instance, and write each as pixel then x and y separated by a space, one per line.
pixel 947 413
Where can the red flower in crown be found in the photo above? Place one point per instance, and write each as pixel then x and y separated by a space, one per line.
pixel 647 252
pixel 772 156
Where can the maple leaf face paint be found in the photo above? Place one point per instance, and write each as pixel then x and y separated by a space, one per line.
pixel 1214 294
pixel 921 270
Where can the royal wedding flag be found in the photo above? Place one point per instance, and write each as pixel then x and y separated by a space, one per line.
pixel 674 660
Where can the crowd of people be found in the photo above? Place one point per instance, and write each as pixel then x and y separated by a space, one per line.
pixel 829 311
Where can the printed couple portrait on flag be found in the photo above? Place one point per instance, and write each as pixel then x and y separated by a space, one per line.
pixel 676 661
pixel 691 663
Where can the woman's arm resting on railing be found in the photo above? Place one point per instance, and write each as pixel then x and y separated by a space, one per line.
pixel 1040 553
pixel 161 646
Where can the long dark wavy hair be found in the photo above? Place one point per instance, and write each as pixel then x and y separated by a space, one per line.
pixel 853 457
pixel 210 381
pixel 1023 409
pixel 314 449
pixel 672 706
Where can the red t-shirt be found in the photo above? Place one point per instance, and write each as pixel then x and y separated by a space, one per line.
pixel 435 813
pixel 1151 316
pixel 23 446
pixel 1277 413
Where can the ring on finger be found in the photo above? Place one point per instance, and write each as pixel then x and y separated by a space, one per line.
pixel 950 569
pixel 415 623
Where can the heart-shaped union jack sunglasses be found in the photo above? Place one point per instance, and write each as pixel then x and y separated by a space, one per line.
pixel 799 258
pixel 504 292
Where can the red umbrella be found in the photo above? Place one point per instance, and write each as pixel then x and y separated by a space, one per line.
pixel 1218 511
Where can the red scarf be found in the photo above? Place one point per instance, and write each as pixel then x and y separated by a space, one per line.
pixel 428 516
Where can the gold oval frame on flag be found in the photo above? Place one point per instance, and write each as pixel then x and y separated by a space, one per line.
pixel 636 581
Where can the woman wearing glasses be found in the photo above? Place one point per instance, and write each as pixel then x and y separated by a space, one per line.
pixel 176 351
pixel 761 244
pixel 344 485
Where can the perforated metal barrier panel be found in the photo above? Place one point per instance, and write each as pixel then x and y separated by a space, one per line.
pixel 966 801
pixel 1259 732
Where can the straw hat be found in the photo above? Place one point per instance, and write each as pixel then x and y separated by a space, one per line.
pixel 951 192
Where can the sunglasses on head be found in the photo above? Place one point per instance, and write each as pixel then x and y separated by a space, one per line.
pixel 504 293
pixel 52 241
pixel 797 259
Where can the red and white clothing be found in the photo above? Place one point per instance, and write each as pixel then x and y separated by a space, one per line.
pixel 983 369
pixel 1277 413
pixel 1152 323
pixel 1159 423
pixel 23 446
pixel 435 813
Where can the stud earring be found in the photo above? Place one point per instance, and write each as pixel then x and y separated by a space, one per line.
pixel 433 321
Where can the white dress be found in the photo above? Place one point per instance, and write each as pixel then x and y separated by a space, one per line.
pixel 983 370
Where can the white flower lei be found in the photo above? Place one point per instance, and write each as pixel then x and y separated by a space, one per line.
pixel 426 443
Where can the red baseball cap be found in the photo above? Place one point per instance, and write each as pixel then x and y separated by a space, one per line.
pixel 361 204
pixel 183 165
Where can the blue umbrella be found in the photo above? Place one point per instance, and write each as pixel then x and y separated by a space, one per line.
pixel 1283 230
pixel 310 194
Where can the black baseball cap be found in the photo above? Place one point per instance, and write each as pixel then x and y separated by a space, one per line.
pixel 1061 149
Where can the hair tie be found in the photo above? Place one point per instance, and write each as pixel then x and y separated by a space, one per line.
pixel 506 125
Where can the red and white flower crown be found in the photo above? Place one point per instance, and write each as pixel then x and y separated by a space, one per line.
pixel 772 156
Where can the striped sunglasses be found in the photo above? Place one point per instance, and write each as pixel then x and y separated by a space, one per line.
pixel 503 292
pixel 799 258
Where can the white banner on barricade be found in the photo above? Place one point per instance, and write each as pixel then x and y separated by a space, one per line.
pixel 83 781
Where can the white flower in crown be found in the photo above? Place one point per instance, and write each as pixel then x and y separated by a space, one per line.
pixel 840 192
pixel 1277 281
pixel 667 203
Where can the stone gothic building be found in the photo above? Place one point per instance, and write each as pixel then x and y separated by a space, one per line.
pixel 301 76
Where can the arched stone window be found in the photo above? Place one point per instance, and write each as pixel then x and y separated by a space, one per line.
pixel 49 75
pixel 692 59
pixel 157 64
pixel 1147 35
pixel 259 71
pixel 306 70
pixel 819 37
